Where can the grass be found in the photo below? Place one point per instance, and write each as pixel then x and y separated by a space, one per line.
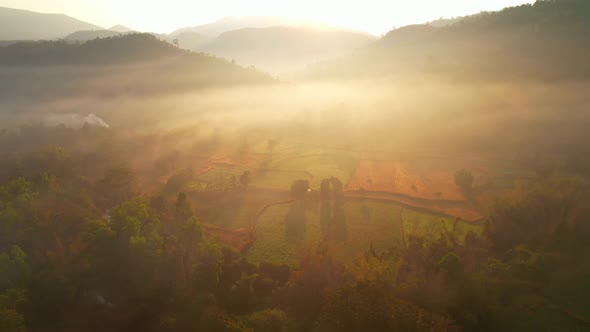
pixel 382 227
pixel 284 166
pixel 281 180
pixel 303 162
pixel 216 179
pixel 368 222
pixel 232 211
pixel 273 246
pixel 431 227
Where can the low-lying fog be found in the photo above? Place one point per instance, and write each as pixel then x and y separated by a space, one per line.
pixel 414 114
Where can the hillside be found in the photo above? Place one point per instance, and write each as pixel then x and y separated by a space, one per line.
pixel 16 24
pixel 132 48
pixel 128 64
pixel 280 49
pixel 547 40
pixel 91 34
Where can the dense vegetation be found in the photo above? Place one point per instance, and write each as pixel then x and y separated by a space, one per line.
pixel 127 64
pixel 545 40
pixel 202 196
pixel 85 247
pixel 116 49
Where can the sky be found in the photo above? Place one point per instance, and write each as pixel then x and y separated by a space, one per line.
pixel 164 16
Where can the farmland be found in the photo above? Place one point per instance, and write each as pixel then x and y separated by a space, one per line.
pixel 368 224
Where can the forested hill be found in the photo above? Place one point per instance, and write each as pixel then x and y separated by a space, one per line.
pixel 546 40
pixel 112 50
pixel 132 63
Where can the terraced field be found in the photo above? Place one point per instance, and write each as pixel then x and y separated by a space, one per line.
pixel 272 243
pixel 379 224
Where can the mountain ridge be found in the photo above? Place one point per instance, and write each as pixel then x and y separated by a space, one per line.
pixel 544 40
pixel 19 24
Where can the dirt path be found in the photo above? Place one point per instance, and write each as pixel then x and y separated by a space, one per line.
pixel 243 238
pixel 445 208
pixel 440 207
pixel 262 210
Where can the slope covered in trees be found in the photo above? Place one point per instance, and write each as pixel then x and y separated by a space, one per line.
pixel 113 50
pixel 126 64
pixel 84 246
pixel 86 35
pixel 545 40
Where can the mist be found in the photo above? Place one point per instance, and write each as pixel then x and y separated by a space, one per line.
pixel 299 179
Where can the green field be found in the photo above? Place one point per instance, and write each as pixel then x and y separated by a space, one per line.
pixel 366 223
pixel 216 179
pixel 291 163
pixel 234 210
pixel 272 244
pixel 431 227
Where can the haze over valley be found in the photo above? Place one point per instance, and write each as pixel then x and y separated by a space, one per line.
pixel 257 173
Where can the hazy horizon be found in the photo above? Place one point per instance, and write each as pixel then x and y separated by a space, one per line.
pixel 283 170
pixel 375 16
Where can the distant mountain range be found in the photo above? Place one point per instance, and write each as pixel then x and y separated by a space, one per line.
pixel 283 49
pixel 546 40
pixel 16 24
pixel 213 30
pixel 190 40
pixel 272 44
pixel 121 28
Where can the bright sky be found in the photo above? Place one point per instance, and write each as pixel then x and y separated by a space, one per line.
pixel 375 16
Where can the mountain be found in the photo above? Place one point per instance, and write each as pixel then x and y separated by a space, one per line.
pixel 191 40
pixel 138 64
pixel 547 40
pixel 120 28
pixel 284 49
pixel 443 22
pixel 131 48
pixel 91 34
pixel 16 24
pixel 216 28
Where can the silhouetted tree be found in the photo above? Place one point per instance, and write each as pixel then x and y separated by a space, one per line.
pixel 245 179
pixel 464 180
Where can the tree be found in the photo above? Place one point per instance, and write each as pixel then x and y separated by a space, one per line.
pixel 245 179
pixel 270 320
pixel 464 180
pixel 208 267
pixel 117 185
pixel 184 209
pixel 176 42
pixel 299 189
pixel 11 321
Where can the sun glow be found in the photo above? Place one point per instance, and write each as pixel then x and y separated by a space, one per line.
pixel 374 16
